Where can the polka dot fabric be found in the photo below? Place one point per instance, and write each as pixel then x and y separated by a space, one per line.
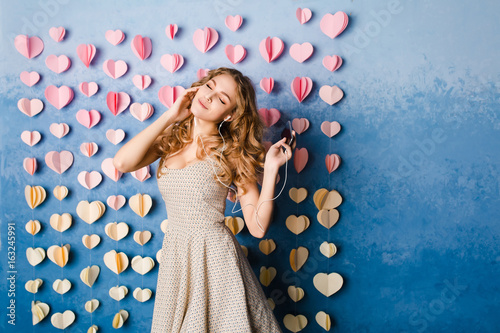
pixel 205 282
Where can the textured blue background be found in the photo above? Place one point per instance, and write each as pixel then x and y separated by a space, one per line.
pixel 418 234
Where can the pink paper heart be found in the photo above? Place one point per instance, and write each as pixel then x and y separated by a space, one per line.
pixel 235 54
pixel 168 94
pixel 233 22
pixel 30 107
pixel 88 118
pixel 141 46
pixel 330 129
pixel 205 39
pixel 57 34
pixel 301 52
pixel 116 201
pixel 201 73
pixel 171 30
pixel 269 116
pixel 88 88
pixel 59 130
pixel 109 169
pixel 115 37
pixel 115 137
pixel 117 102
pixel 58 64
pixel 271 48
pixel 172 62
pixel 59 97
pixel 301 87
pixel 141 112
pixel 333 25
pixel 300 159
pixel 59 161
pixel 89 180
pixel 31 138
pixel 114 69
pixel 267 84
pixel 300 125
pixel 142 174
pixel 141 81
pixel 331 95
pixel 303 15
pixel 332 162
pixel 86 53
pixel 29 47
pixel 30 165
pixel 332 63
pixel 89 148
pixel 30 78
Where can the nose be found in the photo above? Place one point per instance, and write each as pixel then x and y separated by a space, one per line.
pixel 209 96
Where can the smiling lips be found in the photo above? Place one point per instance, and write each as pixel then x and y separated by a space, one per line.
pixel 203 105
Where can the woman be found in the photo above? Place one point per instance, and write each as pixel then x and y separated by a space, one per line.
pixel 210 138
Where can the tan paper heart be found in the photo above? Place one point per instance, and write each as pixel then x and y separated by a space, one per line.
pixel 297 224
pixel 61 286
pixel 116 231
pixel 163 225
pixel 267 275
pixel 90 211
pixel 33 285
pixel 295 323
pixel 34 195
pixel 328 249
pixel 267 246
pixel 120 318
pixel 91 305
pixel 245 250
pixel 62 320
pixel 93 329
pixel 91 241
pixel 142 237
pixel 141 204
pixel 39 311
pixel 328 217
pixel 324 199
pixel 295 293
pixel 61 222
pixel 324 320
pixel 298 257
pixel 33 227
pixel 271 303
pixel 35 256
pixel 116 262
pixel 142 295
pixel 328 284
pixel 235 224
pixel 89 275
pixel 118 292
pixel 59 255
pixel 298 195
pixel 142 265
pixel 60 192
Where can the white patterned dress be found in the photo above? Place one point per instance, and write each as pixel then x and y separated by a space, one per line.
pixel 205 282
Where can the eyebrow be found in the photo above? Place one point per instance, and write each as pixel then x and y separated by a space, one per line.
pixel 215 84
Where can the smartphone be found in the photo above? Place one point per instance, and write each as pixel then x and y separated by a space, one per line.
pixel 288 134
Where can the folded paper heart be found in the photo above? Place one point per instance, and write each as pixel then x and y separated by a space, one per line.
pixel 269 116
pixel 115 37
pixel 92 305
pixel 60 192
pixel 88 88
pixel 328 217
pixel 33 285
pixel 91 241
pixel 267 84
pixel 140 204
pixel 172 62
pixel 114 69
pixel 298 257
pixel 234 223
pixel 29 47
pixel 57 34
pixel 142 111
pixel 171 30
pixel 233 23
pixel 301 52
pixel 303 15
pixel 116 231
pixel 201 73
pixel 33 227
pixel 331 95
pixel 163 225
pixel 59 97
pixel 332 162
pixel 93 329
pixel 333 25
pixel 39 311
pixel 141 46
pixel 300 125
pixel 141 81
pixel 324 199
pixel 118 292
pixel 324 320
pixel 117 102
pixel 116 201
pixel 297 224
pixel 120 318
pixel 62 320
pixel 59 255
pixel 115 136
pixel 89 180
pixel 88 118
pixel 59 161
pixel 109 169
pixel 90 211
pixel 298 195
pixel 30 107
pixel 142 265
pixel 35 255
pixel 29 78
pixel 31 138
pixel 235 54
pixel 30 165
pixel 295 323
pixel 301 87
pixel 142 295
pixel 267 275
pixel 89 149
pixel 271 48
pixel 86 52
pixel 59 130
pixel 328 249
pixel 332 63
pixel 142 237
pixel 267 246
pixel 245 250
pixel 295 293
pixel 61 286
pixel 205 39
pixel 116 262
pixel 58 64
pixel 89 275
pixel 300 159
pixel 328 284
pixel 141 174
pixel 62 222
pixel 330 129
pixel 34 195
pixel 168 95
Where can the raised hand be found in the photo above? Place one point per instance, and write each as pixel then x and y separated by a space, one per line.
pixel 180 109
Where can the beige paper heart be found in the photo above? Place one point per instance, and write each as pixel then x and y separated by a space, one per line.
pixel 235 224
pixel 33 227
pixel 62 320
pixel 328 217
pixel 295 293
pixel 62 222
pixel 35 256
pixel 118 292
pixel 39 311
pixel 120 318
pixel 297 224
pixel 59 255
pixel 61 286
pixel 271 303
pixel 90 211
pixel 163 225
pixel 298 195
pixel 298 257
pixel 116 231
pixel 295 323
pixel 142 265
pixel 267 246
pixel 328 249
pixel 142 295
pixel 324 320
pixel 324 199
pixel 89 275
pixel 142 237
pixel 91 241
pixel 141 204
pixel 267 275
pixel 33 285
pixel 158 256
pixel 328 284
pixel 93 329
pixel 34 195
pixel 60 192
pixel 245 250
pixel 92 305
pixel 116 262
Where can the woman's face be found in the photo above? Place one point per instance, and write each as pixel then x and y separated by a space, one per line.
pixel 215 100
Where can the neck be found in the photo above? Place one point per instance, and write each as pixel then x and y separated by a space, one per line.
pixel 202 127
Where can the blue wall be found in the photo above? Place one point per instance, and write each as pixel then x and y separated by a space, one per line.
pixel 418 234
